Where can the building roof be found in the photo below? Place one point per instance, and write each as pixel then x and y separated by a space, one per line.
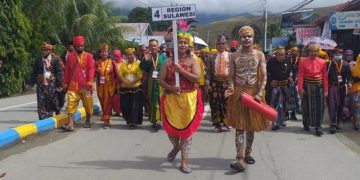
pixel 134 29
pixel 144 40
pixel 348 6
pixel 160 33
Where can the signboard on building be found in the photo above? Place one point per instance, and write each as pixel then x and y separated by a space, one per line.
pixel 290 19
pixel 174 12
pixel 279 41
pixel 345 20
pixel 304 33
pixel 356 31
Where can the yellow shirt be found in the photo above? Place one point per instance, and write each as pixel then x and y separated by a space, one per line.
pixel 130 72
pixel 202 66
pixel 355 72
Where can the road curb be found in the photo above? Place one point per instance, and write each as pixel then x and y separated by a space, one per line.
pixel 12 135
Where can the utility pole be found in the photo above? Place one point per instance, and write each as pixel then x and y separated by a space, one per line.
pixel 265 25
pixel 208 36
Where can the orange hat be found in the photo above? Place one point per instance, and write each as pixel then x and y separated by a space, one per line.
pixel 79 40
pixel 46 45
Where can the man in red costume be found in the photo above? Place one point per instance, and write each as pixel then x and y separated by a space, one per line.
pixel 78 80
pixel 313 88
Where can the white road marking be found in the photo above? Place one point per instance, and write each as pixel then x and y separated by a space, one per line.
pixel 18 105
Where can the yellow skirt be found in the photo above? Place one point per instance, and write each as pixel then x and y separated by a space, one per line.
pixel 181 114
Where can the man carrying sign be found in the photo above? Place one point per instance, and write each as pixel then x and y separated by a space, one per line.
pixel 151 65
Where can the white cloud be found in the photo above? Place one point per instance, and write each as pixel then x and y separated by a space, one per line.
pixel 228 6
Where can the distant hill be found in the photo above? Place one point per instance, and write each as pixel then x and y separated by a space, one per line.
pixel 209 18
pixel 231 25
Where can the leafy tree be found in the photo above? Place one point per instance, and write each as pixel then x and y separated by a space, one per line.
pixel 14 43
pixel 57 21
pixel 140 15
pixel 46 19
pixel 274 29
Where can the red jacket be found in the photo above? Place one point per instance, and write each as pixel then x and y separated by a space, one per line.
pixel 79 73
pixel 313 69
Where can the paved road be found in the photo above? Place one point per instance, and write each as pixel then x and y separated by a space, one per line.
pixel 18 110
pixel 119 153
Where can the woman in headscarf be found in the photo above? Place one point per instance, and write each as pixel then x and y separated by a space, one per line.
pixel 131 92
pixel 117 58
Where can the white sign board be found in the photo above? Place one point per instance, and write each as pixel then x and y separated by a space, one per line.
pixel 345 20
pixel 326 33
pixel 174 12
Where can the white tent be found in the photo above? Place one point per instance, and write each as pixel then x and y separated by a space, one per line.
pixel 199 41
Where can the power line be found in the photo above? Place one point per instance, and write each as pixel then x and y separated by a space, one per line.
pixel 300 5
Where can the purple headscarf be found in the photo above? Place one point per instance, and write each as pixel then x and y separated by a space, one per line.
pixel 348 52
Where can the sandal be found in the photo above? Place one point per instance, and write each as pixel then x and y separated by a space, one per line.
pixel 227 128
pixel 2 175
pixel 67 128
pixel 106 126
pixel 131 126
pixel 186 170
pixel 172 154
pixel 87 125
pixel 237 166
pixel 217 129
pixel 249 160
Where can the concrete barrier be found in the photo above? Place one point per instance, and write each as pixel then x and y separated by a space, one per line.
pixel 11 136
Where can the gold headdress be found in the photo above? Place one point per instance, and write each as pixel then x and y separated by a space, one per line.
pixel 130 51
pixel 246 30
pixel 184 31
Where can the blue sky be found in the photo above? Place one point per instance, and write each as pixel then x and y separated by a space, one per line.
pixel 227 6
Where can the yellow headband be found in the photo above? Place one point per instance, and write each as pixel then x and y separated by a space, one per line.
pixel 46 45
pixel 323 55
pixel 246 30
pixel 294 49
pixel 278 50
pixel 104 47
pixel 130 51
pixel 313 47
pixel 191 41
